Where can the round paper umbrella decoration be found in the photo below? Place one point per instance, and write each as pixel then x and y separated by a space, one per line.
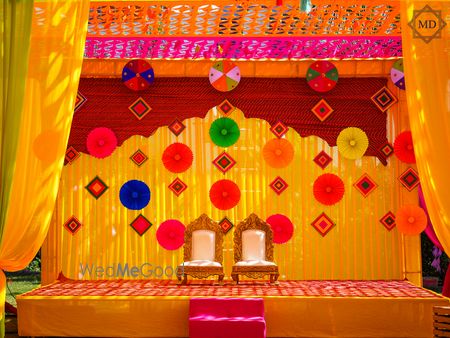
pixel 397 74
pixel 282 228
pixel 411 220
pixel 177 158
pixel 224 76
pixel 138 75
pixel 101 142
pixel 322 76
pixel 352 143
pixel 278 153
pixel 328 189
pixel 170 234
pixel 224 132
pixel 134 195
pixel 224 194
pixel 404 147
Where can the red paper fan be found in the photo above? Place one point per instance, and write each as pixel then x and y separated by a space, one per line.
pixel 328 189
pixel 224 194
pixel 177 158
pixel 101 142
pixel 282 228
pixel 411 220
pixel 404 147
pixel 170 234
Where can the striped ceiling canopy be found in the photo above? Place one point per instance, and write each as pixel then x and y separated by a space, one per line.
pixel 264 29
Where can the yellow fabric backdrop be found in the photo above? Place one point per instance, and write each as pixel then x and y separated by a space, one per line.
pixel 427 71
pixel 359 247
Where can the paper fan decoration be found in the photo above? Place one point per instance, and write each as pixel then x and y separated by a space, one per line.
pixel 224 76
pixel 138 75
pixel 328 189
pixel 282 228
pixel 404 147
pixel 101 142
pixel 278 153
pixel 134 195
pixel 170 234
pixel 322 76
pixel 398 75
pixel 177 158
pixel 411 220
pixel 224 132
pixel 225 194
pixel 352 143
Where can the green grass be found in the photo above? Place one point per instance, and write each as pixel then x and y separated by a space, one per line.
pixel 16 285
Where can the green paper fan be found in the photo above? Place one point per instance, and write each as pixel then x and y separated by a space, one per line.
pixel 224 132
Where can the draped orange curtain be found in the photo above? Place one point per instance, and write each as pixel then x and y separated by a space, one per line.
pixel 427 71
pixel 56 51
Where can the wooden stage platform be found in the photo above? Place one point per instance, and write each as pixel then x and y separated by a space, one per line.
pixel 150 308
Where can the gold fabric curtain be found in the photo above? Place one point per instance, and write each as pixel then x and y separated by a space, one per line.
pixel 427 72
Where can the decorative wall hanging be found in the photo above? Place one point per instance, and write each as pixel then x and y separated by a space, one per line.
pixel 404 147
pixel 225 107
pixel 226 225
pixel 352 143
pixel 176 127
pixel 365 185
pixel 101 142
pixel 322 110
pixel 322 76
pixel 177 186
pixel 323 224
pixel 134 195
pixel 387 149
pixel 79 101
pixel 384 99
pixel 96 187
pixel 71 154
pixel 328 189
pixel 138 157
pixel 323 159
pixel 411 219
pixel 388 221
pixel 224 132
pixel 72 225
pixel 278 153
pixel 410 179
pixel 398 75
pixel 224 194
pixel 140 108
pixel 170 234
pixel 177 157
pixel 278 185
pixel 224 76
pixel 282 228
pixel 279 129
pixel 138 75
pixel 224 162
pixel 141 224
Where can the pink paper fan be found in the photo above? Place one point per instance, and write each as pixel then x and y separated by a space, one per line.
pixel 101 142
pixel 282 228
pixel 170 234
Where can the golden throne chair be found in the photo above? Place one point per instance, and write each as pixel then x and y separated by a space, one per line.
pixel 203 250
pixel 253 250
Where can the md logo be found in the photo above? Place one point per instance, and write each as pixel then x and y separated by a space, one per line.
pixel 427 24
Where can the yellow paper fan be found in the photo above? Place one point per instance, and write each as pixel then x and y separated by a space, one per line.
pixel 352 143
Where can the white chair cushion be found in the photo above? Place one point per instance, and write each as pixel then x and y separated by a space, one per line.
pixel 253 245
pixel 203 245
pixel 201 263
pixel 255 263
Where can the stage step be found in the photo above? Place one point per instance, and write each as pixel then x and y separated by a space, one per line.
pixel 441 320
pixel 226 317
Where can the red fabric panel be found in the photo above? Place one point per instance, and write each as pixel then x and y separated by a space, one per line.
pixel 287 99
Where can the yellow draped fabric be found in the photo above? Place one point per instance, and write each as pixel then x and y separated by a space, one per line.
pixel 427 72
pixel 358 247
pixel 55 58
